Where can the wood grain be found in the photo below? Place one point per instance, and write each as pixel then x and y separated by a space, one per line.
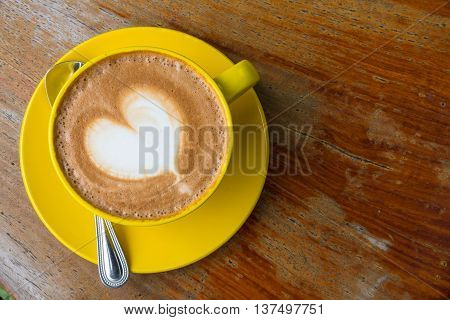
pixel 359 91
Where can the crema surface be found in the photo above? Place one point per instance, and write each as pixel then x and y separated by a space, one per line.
pixel 140 135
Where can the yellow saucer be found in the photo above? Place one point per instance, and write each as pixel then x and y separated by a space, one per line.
pixel 163 247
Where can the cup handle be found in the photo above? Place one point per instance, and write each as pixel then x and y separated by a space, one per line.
pixel 57 76
pixel 234 81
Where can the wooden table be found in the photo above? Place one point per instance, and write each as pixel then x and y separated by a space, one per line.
pixel 362 87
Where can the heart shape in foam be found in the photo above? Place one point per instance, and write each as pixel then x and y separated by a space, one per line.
pixel 145 145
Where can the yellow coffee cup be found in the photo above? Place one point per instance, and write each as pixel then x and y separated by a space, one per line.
pixel 229 85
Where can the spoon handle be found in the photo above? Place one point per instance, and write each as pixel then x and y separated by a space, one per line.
pixel 112 265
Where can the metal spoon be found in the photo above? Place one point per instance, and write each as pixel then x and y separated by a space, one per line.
pixel 112 265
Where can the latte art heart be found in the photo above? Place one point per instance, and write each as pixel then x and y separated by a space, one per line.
pixel 119 149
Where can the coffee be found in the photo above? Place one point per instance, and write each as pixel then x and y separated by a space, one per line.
pixel 140 135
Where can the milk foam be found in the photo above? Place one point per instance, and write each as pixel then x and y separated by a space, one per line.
pixel 97 131
pixel 184 188
pixel 115 147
